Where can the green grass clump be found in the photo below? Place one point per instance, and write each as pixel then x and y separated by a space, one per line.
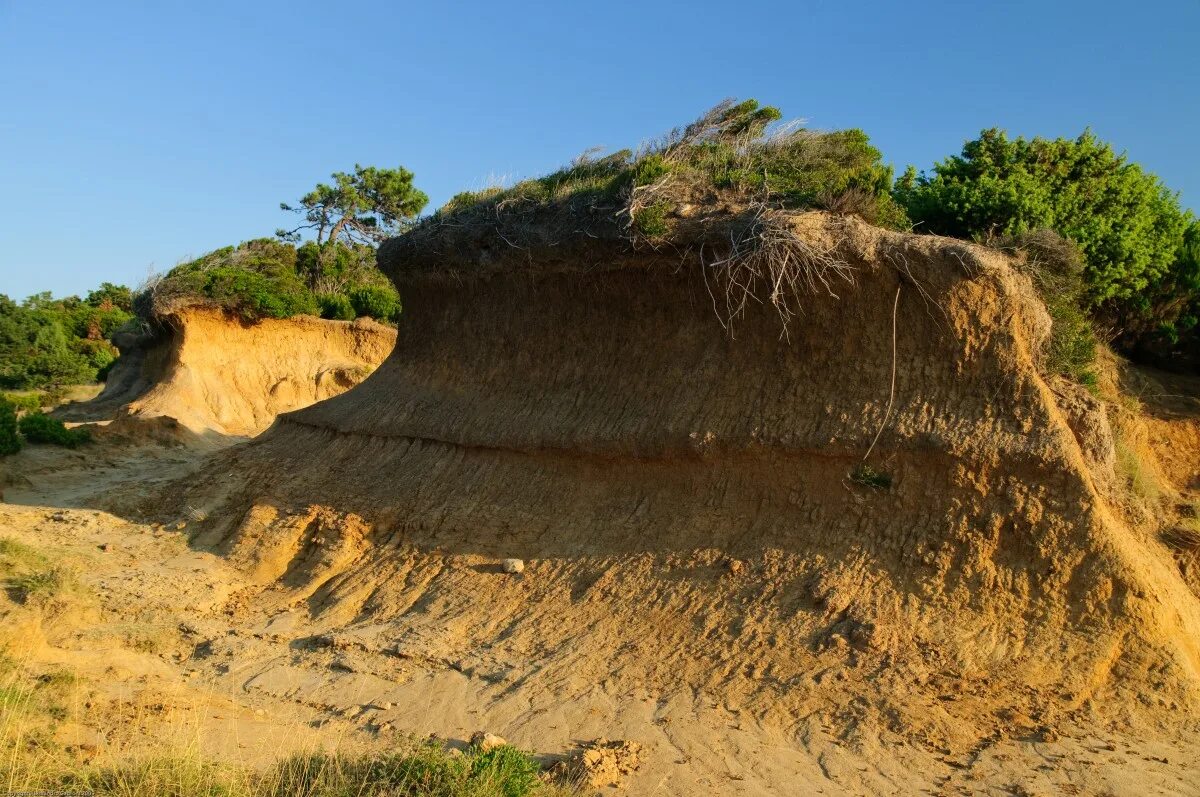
pixel 429 770
pixel 16 556
pixel 867 476
pixel 1139 478
pixel 651 221
pixel 423 771
pixel 43 585
pixel 37 427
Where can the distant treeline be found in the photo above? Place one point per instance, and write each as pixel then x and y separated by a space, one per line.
pixel 47 342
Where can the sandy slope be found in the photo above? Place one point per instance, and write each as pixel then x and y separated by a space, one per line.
pixel 171 651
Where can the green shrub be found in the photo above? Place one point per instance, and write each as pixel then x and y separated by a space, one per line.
pixel 377 301
pixel 1055 266
pixel 10 442
pixel 650 169
pixel 336 306
pixel 254 295
pixel 1139 276
pixel 651 220
pixel 40 428
pixel 507 770
pixel 28 402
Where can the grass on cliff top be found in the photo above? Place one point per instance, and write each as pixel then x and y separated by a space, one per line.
pixel 734 153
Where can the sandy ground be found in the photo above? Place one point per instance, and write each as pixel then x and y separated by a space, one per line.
pixel 172 651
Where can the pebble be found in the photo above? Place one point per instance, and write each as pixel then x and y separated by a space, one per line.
pixel 514 566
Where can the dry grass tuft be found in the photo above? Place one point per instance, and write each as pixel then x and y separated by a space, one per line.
pixel 769 259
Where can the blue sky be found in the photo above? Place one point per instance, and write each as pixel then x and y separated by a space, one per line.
pixel 136 134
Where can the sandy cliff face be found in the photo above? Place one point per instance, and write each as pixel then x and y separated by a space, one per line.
pixel 682 495
pixel 212 372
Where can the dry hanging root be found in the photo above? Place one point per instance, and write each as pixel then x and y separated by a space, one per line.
pixel 770 255
pixel 892 395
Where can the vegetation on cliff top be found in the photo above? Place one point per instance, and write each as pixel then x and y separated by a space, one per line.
pixel 735 153
pixel 267 278
pixel 333 276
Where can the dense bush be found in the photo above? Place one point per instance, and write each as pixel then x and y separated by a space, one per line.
pixel 266 278
pixel 10 442
pixel 1140 275
pixel 29 402
pixel 336 306
pixel 39 428
pixel 377 301
pixel 53 342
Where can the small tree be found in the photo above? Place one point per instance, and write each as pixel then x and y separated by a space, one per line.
pixel 360 208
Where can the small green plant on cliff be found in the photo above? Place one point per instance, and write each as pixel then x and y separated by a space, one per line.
pixel 1055 266
pixel 651 221
pixel 867 476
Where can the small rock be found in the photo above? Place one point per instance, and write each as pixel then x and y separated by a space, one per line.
pixel 386 706
pixel 514 566
pixel 601 763
pixel 180 526
pixel 258 712
pixel 486 741
pixel 736 567
pixel 103 546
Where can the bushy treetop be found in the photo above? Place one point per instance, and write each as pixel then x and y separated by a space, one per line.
pixel 1128 225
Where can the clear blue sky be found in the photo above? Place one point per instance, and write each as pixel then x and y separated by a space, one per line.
pixel 135 134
